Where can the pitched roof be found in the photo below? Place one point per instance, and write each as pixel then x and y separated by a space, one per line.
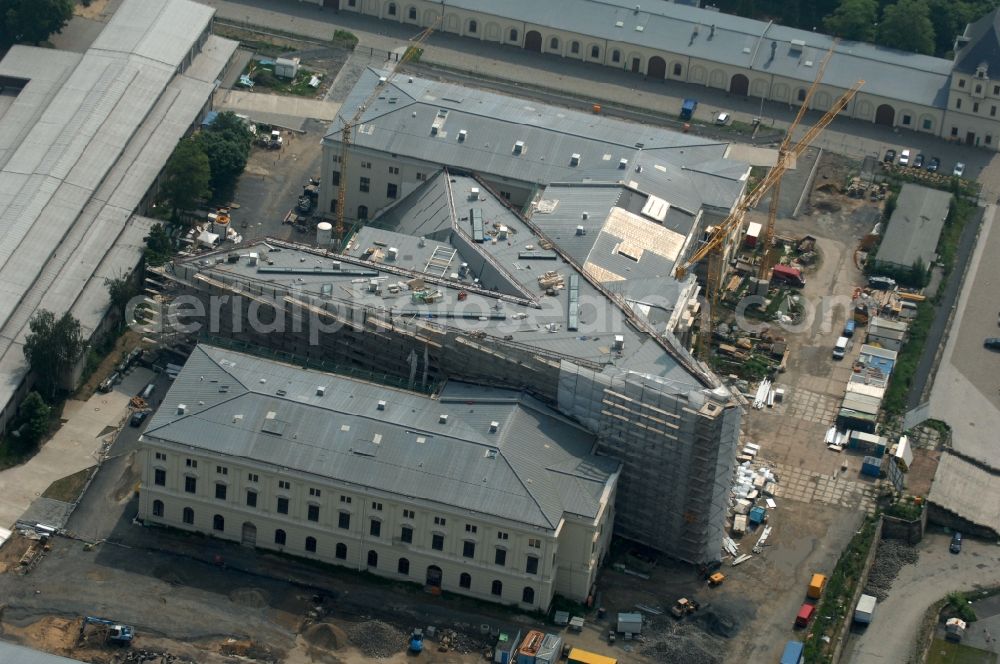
pixel 534 469
pixel 915 226
pixel 982 47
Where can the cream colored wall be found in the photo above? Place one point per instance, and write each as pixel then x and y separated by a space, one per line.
pixel 456 529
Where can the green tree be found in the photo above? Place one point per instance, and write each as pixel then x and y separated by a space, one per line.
pixel 52 348
pixel 32 21
pixel 186 176
pixel 907 26
pixel 853 19
pixel 159 246
pixel 121 289
pixel 35 417
pixel 227 143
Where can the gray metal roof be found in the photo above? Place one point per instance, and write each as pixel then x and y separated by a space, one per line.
pixel 968 490
pixel 425 212
pixel 915 226
pixel 534 469
pixel 15 654
pixel 400 122
pixel 711 35
pixel 79 148
pixel 982 47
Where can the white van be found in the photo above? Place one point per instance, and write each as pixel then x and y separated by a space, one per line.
pixel 840 349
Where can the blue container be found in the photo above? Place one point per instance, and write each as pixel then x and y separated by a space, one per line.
pixel 849 328
pixel 871 466
pixel 756 515
pixel 793 653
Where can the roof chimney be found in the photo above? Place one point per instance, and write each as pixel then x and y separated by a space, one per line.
pixel 181 409
pixel 320 391
pixel 494 426
pixel 574 159
pixel 462 134
pixel 518 147
pixel 443 419
pixel 381 405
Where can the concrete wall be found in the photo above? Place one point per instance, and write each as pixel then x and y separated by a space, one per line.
pixel 563 563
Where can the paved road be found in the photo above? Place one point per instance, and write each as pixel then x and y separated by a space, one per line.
pixel 890 637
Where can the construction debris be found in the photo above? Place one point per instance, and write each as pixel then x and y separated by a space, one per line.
pixel 889 559
pixel 375 638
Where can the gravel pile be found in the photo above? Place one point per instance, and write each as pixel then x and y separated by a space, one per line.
pixel 375 638
pixel 681 642
pixel 889 559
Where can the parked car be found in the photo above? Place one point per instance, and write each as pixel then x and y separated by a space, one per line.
pixel 993 343
pixel 918 161
pixel 933 165
pixel 890 156
pixel 959 170
pixel 138 418
pixel 904 158
pixel 956 543
pixel 722 119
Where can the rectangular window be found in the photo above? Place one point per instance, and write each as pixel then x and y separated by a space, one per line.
pixel 996 89
pixel 313 513
pixel 408 514
pixel 406 535
pixel 502 535
pixel 993 111
pixel 928 123
pixel 190 484
pixel 192 463
pixel 314 492
pixel 377 506
pixel 282 484
pixel 469 549
pixel 500 557
pixel 961 82
pixel 366 164
pixel 352 3
pixel 437 542
pixel 282 505
pixel 975 107
pixel 160 456
pixel 505 194
pixel 220 491
pixel 366 184
pixel 221 470
pixel 421 176
pixel 394 170
pixel 439 521
pixel 344 521
pixel 160 477
pixel 335 178
pixel 907 120
pixel 390 190
pixel 251 499
pixel 958 103
pixel 532 566
pixel 954 131
pixel 469 528
pixel 988 139
pixel 345 499
pixel 375 528
pixel 252 477
pixel 535 543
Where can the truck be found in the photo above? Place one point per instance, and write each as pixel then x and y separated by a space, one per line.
pixel 864 611
pixel 805 614
pixel 793 653
pixel 687 108
pixel 788 275
pixel 817 584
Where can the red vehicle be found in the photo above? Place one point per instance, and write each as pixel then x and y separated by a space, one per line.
pixel 806 612
pixel 789 275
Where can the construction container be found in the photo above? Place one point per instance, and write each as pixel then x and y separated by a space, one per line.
pixel 530 646
pixel 793 653
pixel 805 614
pixel 578 656
pixel 865 609
pixel 505 650
pixel 757 515
pixel 871 466
pixel 550 651
pixel 630 623
pixel 816 586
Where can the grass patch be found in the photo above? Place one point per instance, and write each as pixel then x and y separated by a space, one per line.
pixel 836 606
pixel 69 488
pixel 345 39
pixel 946 652
pixel 908 359
pixel 264 78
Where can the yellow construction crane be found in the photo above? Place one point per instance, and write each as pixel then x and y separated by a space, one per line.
pixel 349 125
pixel 719 234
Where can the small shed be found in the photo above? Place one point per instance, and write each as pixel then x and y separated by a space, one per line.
pixel 903 453
pixel 286 67
pixel 886 333
pixel 753 234
pixel 630 623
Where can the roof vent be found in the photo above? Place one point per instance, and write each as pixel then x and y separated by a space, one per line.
pixel 237 418
pixel 281 393
pixel 638 169
pixel 392 253
pixel 443 419
pixel 320 391
pixel 518 147
pixel 181 409
pixel 574 159
pixel 585 215
pixel 474 194
pixel 434 130
pixel 623 163
pixel 490 454
pixel 381 405
pixel 619 344
pixel 580 230
pixel 494 426
pixel 462 135
pixel 637 9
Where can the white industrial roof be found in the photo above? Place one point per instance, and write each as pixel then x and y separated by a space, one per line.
pixel 968 490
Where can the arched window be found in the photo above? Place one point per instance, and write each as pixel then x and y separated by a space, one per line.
pixel 497 588
pixel 677 69
pixel 616 55
pixel 595 51
pixel 373 559
pixel 513 35
pixel 188 515
pixel 279 537
pixel 218 523
pixel 311 544
pixel 554 43
pixel 574 47
pixel 157 508
pixel 528 595
pixel 802 94
pixel 391 9
pixel 465 581
pixel 413 13
pixel 403 566
pixel 473 26
pixel 341 553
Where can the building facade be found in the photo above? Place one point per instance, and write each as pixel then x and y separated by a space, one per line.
pixel 748 58
pixel 496 536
